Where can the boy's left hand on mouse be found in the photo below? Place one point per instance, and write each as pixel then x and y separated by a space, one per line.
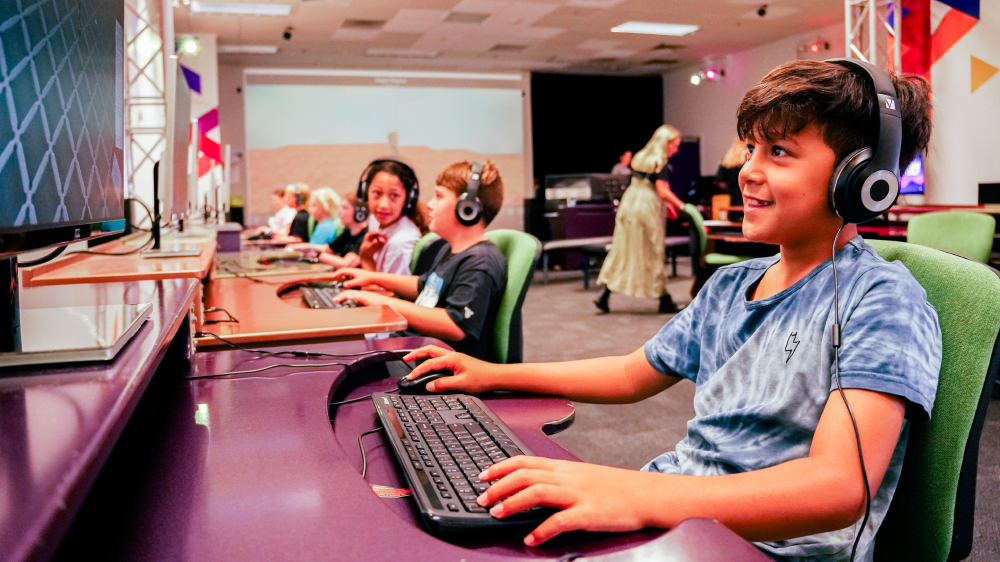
pixel 353 277
pixel 591 497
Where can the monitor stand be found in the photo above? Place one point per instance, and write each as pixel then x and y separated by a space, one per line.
pixel 35 336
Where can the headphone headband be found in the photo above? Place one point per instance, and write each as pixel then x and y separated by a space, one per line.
pixel 866 183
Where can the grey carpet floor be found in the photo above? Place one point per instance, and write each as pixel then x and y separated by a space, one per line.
pixel 561 323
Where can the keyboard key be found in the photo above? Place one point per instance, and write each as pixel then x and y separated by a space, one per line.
pixel 451 506
pixel 474 508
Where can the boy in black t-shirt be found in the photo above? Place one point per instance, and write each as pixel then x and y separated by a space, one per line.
pixel 458 298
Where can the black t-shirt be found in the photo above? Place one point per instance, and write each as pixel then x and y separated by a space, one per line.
pixel 469 286
pixel 348 243
pixel 300 226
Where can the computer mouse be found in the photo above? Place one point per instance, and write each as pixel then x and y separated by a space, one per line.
pixel 419 384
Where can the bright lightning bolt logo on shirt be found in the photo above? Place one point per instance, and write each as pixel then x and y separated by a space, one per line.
pixel 791 345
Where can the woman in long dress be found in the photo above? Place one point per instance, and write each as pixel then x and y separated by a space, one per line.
pixel 635 264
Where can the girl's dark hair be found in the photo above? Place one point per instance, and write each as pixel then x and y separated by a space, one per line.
pixel 417 214
pixel 839 101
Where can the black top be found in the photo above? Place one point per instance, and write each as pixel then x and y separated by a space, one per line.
pixel 348 243
pixel 663 174
pixel 469 286
pixel 731 178
pixel 300 226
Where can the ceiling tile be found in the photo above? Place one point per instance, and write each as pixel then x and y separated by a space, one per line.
pixel 355 34
pixel 415 21
pixel 598 44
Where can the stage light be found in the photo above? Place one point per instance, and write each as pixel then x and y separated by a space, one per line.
pixel 814 47
pixel 188 45
pixel 711 74
pixel 695 79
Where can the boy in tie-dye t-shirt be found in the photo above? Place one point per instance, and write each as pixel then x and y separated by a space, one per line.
pixel 771 451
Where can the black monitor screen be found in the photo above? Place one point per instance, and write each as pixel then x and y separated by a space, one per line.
pixel 61 130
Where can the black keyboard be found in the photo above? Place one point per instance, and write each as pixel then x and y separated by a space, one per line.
pixel 322 297
pixel 442 443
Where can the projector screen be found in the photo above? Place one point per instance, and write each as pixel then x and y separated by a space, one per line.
pixel 324 134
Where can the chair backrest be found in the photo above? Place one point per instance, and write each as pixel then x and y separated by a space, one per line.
pixel 310 228
pixel 418 252
pixel 522 251
pixel 964 233
pixel 718 201
pixel 931 514
pixel 699 238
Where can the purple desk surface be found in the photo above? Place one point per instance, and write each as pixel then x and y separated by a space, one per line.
pixel 59 423
pixel 251 468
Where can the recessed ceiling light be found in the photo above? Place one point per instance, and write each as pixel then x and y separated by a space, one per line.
pixel 248 49
pixel 650 28
pixel 240 9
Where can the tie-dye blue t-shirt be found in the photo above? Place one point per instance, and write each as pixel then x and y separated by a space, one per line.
pixel 763 370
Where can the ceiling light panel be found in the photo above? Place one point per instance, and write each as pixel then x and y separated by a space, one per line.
pixel 651 28
pixel 247 49
pixel 244 9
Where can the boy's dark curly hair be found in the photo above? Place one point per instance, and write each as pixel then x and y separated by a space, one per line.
pixel 839 101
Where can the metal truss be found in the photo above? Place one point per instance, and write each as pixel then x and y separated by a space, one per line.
pixel 148 28
pixel 873 32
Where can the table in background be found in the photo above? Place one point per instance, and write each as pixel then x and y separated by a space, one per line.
pixel 59 423
pixel 251 468
pixel 264 316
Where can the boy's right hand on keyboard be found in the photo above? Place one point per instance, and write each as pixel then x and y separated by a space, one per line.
pixel 353 278
pixel 470 375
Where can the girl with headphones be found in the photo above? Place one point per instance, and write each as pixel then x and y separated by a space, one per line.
pixel 388 199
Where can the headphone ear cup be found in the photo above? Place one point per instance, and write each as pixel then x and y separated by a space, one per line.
pixel 360 212
pixel 469 212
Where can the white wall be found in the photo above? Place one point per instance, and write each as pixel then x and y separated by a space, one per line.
pixel 965 144
pixel 708 111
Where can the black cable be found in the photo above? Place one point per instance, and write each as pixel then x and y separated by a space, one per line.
pixel 128 253
pixel 346 366
pixel 230 318
pixel 570 556
pixel 359 399
pixel 364 459
pixel 398 354
pixel 250 277
pixel 836 370
pixel 149 215
pixel 44 259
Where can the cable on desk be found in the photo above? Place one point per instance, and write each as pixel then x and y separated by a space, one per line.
pixel 346 366
pixel 569 556
pixel 251 278
pixel 352 400
pixel 364 459
pixel 44 259
pixel 128 253
pixel 220 309
pixel 398 354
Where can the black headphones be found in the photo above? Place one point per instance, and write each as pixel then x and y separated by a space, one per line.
pixel 469 209
pixel 300 198
pixel 407 176
pixel 866 183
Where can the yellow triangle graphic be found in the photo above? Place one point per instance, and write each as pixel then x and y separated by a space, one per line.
pixel 981 72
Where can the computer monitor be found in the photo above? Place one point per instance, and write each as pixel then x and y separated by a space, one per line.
pixel 174 173
pixel 61 160
pixel 911 181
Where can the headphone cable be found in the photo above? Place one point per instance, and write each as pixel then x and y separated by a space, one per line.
pixel 836 370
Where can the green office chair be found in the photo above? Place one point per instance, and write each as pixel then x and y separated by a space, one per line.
pixel 310 228
pixel 521 251
pixel 964 233
pixel 931 514
pixel 704 265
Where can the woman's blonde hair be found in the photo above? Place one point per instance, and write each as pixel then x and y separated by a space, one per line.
pixel 653 156
pixel 736 155
pixel 328 199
